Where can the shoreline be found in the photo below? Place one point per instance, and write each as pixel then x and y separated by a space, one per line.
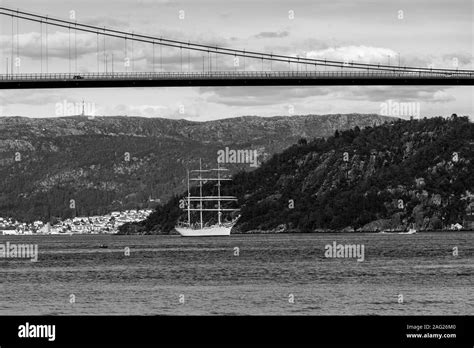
pixel 244 233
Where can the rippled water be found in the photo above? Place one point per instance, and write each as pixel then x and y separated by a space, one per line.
pixel 211 279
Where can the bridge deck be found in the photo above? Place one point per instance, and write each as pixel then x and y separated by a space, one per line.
pixel 231 78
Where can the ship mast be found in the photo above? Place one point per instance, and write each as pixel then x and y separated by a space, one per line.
pixel 200 191
pixel 189 203
pixel 201 199
pixel 218 195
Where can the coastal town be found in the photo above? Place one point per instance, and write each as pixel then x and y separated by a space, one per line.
pixel 100 224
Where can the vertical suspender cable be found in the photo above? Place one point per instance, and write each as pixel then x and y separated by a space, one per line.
pixel 41 45
pixel 46 31
pixel 18 63
pixel 75 50
pixel 105 59
pixel 69 50
pixel 126 61
pixel 98 64
pixel 12 50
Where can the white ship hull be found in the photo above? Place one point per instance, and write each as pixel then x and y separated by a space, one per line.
pixel 411 231
pixel 204 232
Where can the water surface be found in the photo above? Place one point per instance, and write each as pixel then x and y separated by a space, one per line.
pixel 162 272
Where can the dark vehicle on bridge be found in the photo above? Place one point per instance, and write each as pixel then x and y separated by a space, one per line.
pixel 78 77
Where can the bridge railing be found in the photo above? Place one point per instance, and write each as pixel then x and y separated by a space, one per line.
pixel 232 75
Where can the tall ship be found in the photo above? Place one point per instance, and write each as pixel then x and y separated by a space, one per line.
pixel 207 203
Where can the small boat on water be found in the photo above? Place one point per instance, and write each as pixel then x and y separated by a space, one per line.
pixel 410 231
pixel 103 246
pixel 200 228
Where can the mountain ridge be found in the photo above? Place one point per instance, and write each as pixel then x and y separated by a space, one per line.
pixel 107 163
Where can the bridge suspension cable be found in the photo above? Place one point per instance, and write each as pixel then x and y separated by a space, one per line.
pixel 191 46
pixel 134 37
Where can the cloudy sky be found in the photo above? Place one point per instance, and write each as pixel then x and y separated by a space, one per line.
pixel 438 33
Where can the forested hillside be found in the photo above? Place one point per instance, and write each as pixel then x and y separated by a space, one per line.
pixel 117 163
pixel 402 174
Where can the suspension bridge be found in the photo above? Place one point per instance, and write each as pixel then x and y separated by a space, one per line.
pixel 185 64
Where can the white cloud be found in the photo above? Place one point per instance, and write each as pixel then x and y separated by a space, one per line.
pixel 442 97
pixel 363 54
